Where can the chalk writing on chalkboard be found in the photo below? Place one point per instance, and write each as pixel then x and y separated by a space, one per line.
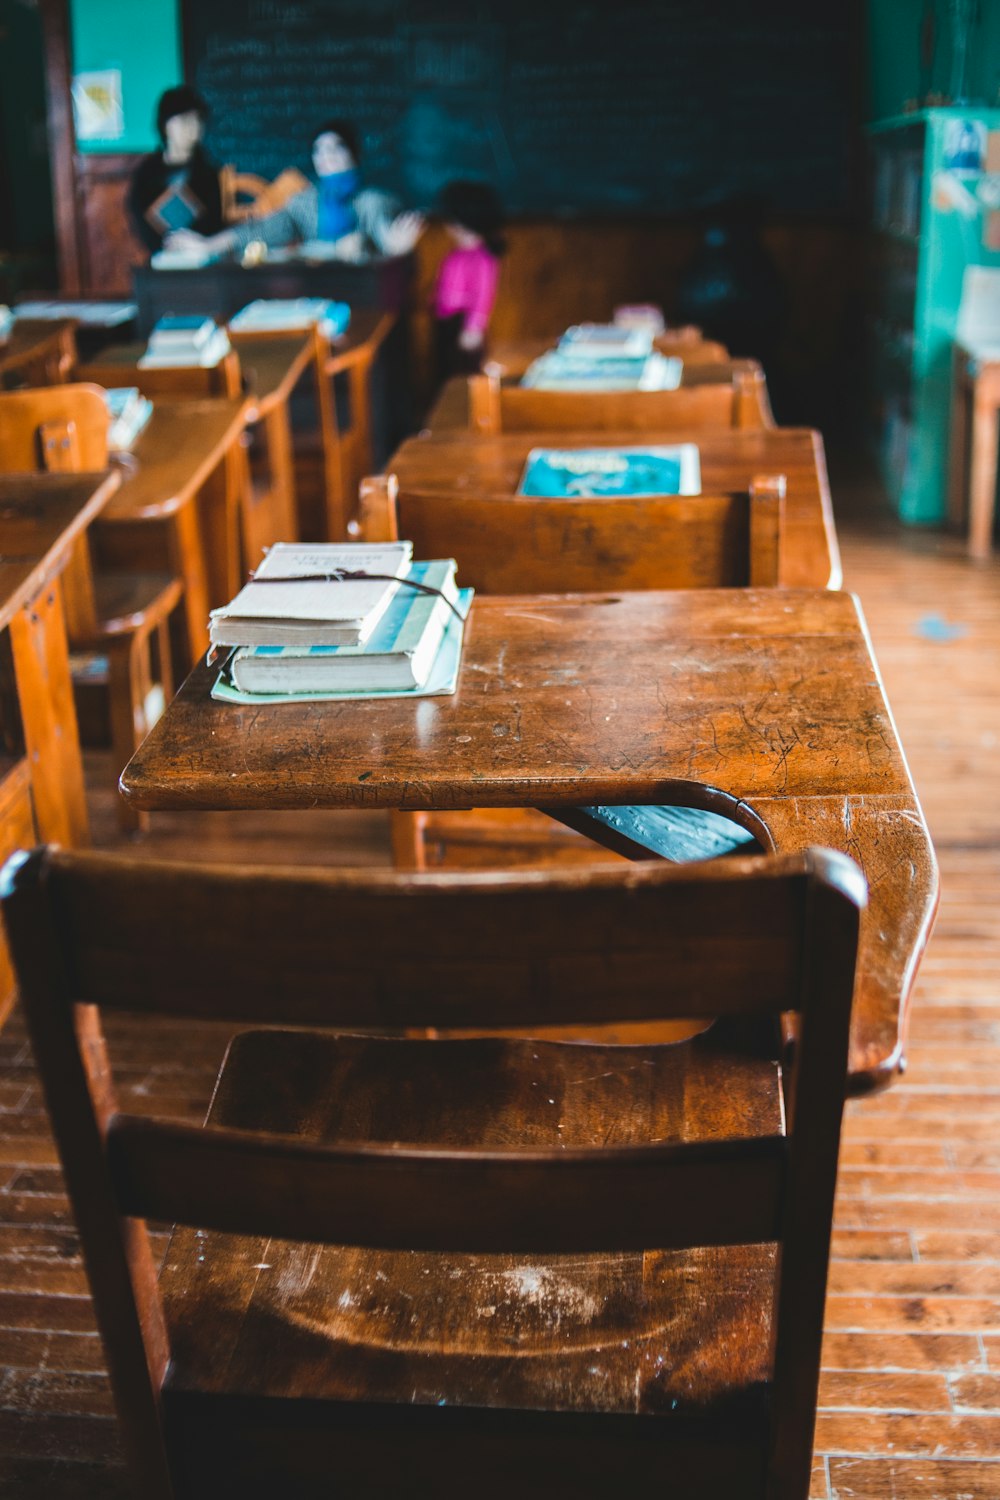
pixel 645 106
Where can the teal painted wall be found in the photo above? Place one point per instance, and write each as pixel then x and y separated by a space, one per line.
pixel 142 39
pixel 895 70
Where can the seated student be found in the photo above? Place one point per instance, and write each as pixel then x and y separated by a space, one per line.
pixel 352 220
pixel 178 187
pixel 466 285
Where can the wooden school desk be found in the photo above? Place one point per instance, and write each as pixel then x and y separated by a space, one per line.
pixel 178 499
pixel 41 786
pixel 513 356
pixel 263 368
pixel 452 411
pixel 38 351
pixel 764 705
pixel 729 460
pixel 41 517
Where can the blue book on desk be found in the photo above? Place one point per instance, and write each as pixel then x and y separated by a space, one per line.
pixel 597 473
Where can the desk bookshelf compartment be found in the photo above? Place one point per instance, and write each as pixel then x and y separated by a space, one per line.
pixel 919 251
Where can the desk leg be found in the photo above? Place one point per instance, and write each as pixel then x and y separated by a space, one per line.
pixel 271 514
pixel 333 459
pixel 282 463
pixel 886 837
pixel 188 562
pixel 48 715
pixel 219 504
pixel 983 476
pixel 958 447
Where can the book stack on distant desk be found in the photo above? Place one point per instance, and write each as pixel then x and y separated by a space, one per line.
pixel 129 411
pixel 604 357
pixel 185 340
pixel 290 314
pixel 301 630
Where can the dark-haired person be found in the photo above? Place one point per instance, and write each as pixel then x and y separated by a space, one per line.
pixel 177 187
pixel 350 220
pixel 466 284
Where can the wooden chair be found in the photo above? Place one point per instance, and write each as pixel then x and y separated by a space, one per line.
pixel 194 382
pixel 247 196
pixel 529 1268
pixel 170 383
pixel 521 544
pixel 711 396
pixel 526 544
pixel 112 614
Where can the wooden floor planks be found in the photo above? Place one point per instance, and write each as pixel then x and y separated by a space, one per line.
pixel 910 1398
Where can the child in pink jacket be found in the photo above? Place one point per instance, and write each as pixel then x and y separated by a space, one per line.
pixel 467 278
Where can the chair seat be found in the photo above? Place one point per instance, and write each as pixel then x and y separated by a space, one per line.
pixel 682 1335
pixel 127 602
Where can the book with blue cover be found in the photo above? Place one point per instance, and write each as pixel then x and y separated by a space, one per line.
pixel 596 473
pixel 289 314
pixel 399 653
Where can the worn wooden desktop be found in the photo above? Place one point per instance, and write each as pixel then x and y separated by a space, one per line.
pixel 764 705
pixel 177 506
pixel 38 351
pixel 487 466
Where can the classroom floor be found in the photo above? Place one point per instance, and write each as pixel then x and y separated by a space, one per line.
pixel 910 1399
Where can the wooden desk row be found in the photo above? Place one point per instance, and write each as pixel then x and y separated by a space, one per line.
pixel 41 773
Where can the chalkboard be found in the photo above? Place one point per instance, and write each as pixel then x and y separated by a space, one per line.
pixel 643 106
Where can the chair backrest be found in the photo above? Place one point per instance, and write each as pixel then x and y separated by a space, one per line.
pixel 755 938
pixel 53 427
pixel 60 428
pixel 522 544
pixel 690 343
pixel 711 396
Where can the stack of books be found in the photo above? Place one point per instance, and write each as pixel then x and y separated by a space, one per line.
pixel 281 315
pixel 595 473
pixel 185 339
pixel 129 411
pixel 302 630
pixel 606 341
pixel 604 357
pixel 577 370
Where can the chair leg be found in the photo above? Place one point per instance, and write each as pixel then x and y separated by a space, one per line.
pixel 407 831
pixel 165 665
pixel 128 683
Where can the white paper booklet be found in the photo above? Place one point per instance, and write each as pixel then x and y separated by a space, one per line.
pixel 314 608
